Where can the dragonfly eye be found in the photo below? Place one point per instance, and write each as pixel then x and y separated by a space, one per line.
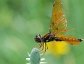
pixel 38 38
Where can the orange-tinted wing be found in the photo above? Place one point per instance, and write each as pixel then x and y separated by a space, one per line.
pixel 59 22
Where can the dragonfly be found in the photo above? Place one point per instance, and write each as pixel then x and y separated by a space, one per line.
pixel 58 27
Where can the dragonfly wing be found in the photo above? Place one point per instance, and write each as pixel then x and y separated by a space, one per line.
pixel 59 22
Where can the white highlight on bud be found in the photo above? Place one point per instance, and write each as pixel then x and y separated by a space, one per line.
pixel 42 59
pixel 28 59
pixel 43 62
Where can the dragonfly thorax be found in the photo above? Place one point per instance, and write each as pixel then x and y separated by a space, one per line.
pixel 46 38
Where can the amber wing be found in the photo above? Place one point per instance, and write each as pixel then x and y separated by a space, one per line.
pixel 59 22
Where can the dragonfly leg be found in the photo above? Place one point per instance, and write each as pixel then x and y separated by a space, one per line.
pixel 45 46
pixel 40 45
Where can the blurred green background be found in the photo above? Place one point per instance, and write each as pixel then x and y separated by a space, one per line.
pixel 21 20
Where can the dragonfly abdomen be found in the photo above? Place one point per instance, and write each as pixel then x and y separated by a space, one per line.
pixel 72 41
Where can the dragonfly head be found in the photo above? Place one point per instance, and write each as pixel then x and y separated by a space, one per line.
pixel 38 38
